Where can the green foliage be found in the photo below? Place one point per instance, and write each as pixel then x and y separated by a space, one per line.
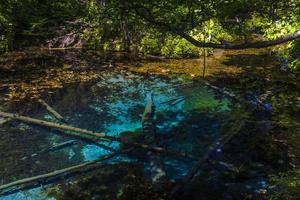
pixel 7 35
pixel 119 25
pixel 273 29
pixel 295 64
pixel 150 45
pixel 176 47
pixel 288 184
pixel 294 56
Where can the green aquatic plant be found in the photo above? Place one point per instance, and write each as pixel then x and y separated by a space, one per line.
pixel 205 101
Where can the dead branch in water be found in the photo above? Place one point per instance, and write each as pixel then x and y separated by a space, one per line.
pixel 214 147
pixel 51 110
pixel 52 176
pixel 51 149
pixel 91 135
pixel 222 91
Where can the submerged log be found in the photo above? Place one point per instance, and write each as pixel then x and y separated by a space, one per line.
pixel 147 120
pixel 158 174
pixel 90 135
pixel 51 110
pixel 51 149
pixel 216 146
pixel 175 100
pixel 55 175
pixel 222 91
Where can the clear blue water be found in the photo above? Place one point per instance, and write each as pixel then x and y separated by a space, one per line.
pixel 115 105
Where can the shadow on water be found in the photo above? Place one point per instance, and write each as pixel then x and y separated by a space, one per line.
pixel 248 60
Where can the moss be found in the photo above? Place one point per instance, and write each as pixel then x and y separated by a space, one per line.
pixel 205 101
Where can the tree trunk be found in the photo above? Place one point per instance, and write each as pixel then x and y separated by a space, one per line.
pixel 157 170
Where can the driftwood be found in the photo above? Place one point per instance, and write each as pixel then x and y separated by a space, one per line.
pixel 52 176
pixel 51 149
pixel 214 147
pixel 158 174
pixel 51 110
pixel 91 135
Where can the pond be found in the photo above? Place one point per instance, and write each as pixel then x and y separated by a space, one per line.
pixel 188 118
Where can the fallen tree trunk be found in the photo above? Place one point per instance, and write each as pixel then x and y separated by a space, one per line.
pixel 90 135
pixel 158 174
pixel 175 192
pixel 51 110
pixel 52 176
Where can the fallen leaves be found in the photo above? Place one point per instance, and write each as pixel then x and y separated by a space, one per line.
pixel 53 79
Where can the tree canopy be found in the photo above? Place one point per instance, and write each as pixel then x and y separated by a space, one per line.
pixel 203 23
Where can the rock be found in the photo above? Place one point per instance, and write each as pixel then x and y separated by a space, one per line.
pixel 261 191
pixel 119 79
pixel 281 162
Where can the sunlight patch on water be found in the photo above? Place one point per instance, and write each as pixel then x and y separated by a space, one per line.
pixel 92 152
pixel 116 128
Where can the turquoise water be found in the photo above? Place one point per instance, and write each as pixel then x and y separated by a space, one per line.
pixel 115 105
